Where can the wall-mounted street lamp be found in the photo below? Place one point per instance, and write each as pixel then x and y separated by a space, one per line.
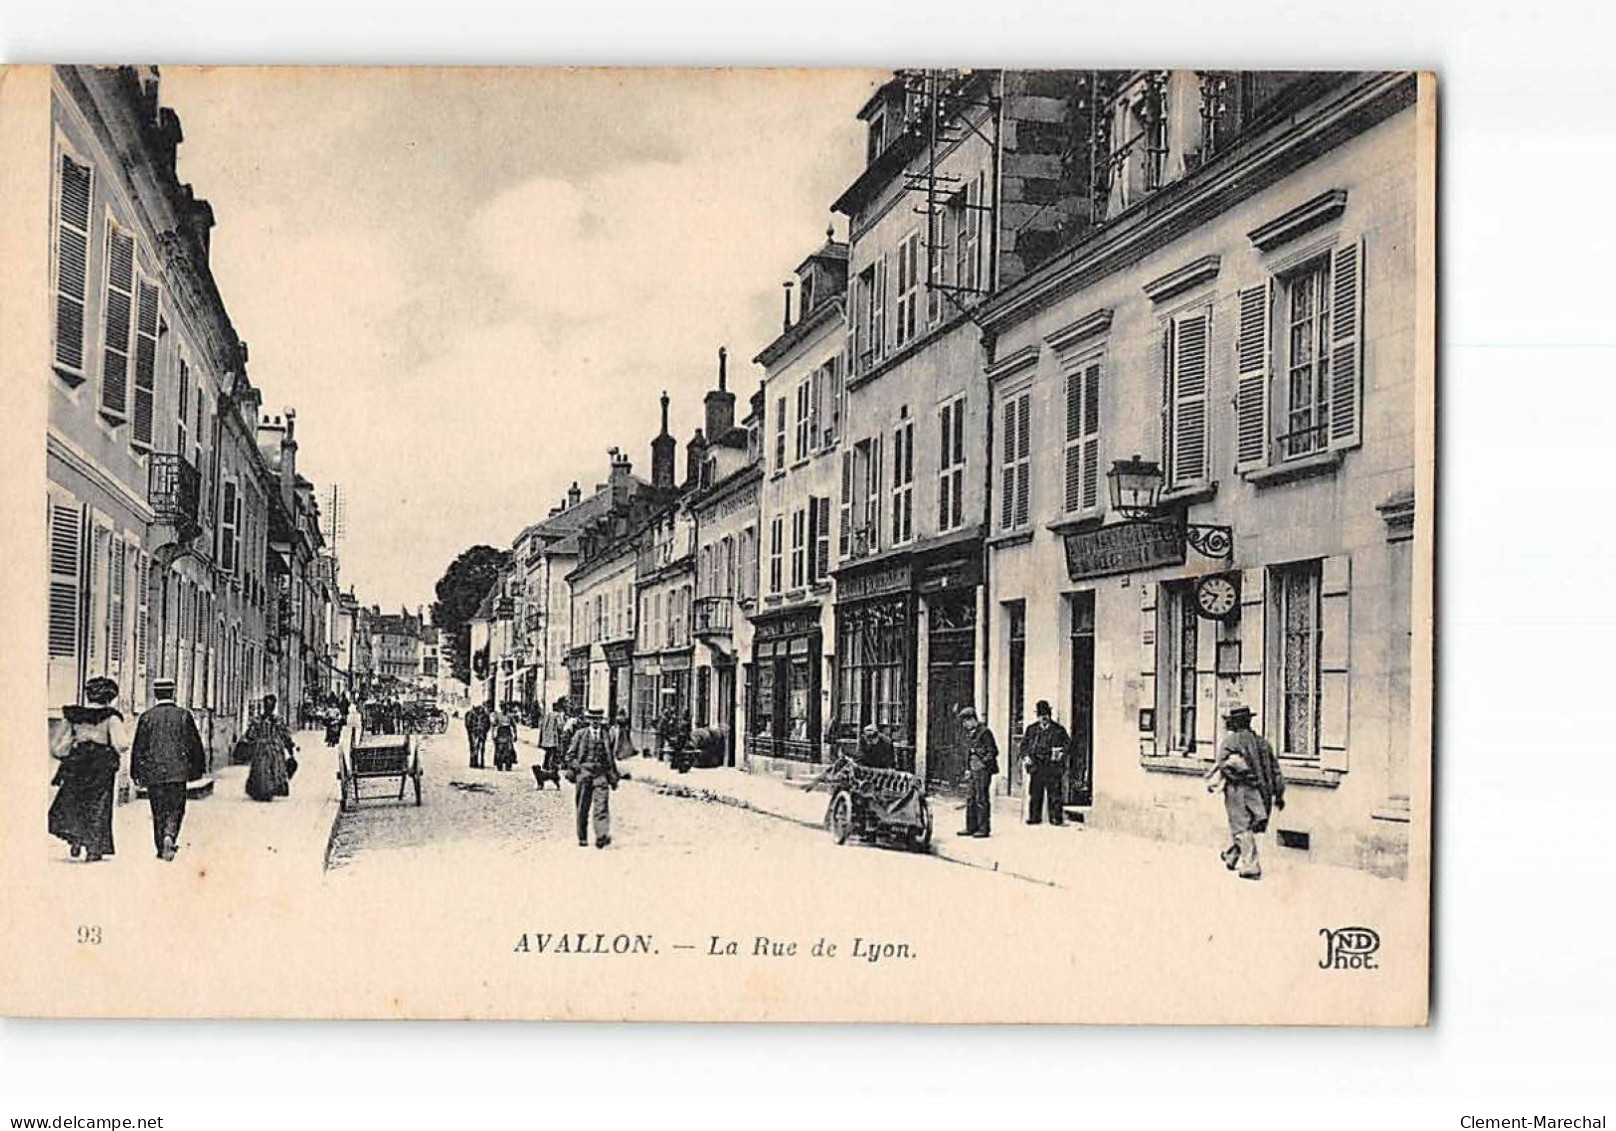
pixel 1136 487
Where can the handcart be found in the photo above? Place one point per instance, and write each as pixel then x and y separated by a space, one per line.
pixel 876 804
pixel 373 756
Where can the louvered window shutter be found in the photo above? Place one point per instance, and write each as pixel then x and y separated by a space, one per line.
pixel 116 589
pixel 1253 351
pixel 878 312
pixel 1189 400
pixel 117 322
pixel 846 532
pixel 66 521
pixel 143 620
pixel 1024 455
pixel 945 482
pixel 1346 346
pixel 145 365
pixel 1073 500
pixel 1007 508
pixel 1147 669
pixel 72 260
pixel 1164 367
pixel 877 487
pixel 1335 635
pixel 1091 436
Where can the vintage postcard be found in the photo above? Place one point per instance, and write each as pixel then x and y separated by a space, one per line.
pixel 908 546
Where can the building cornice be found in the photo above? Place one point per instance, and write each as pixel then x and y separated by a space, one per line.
pixel 1300 220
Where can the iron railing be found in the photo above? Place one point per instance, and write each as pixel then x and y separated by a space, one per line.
pixel 174 488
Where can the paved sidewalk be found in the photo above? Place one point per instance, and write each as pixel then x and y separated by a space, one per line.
pixel 228 827
pixel 1072 856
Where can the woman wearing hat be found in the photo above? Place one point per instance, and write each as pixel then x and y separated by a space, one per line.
pixel 270 775
pixel 81 814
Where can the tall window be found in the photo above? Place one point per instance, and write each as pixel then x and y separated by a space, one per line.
pixel 1016 462
pixel 908 288
pixel 951 464
pixel 1180 632
pixel 1083 435
pixel 145 365
pixel 780 434
pixel 804 410
pixel 799 548
pixel 1184 398
pixel 229 520
pixel 1295 591
pixel 181 434
pixel 965 224
pixel 903 483
pixel 776 550
pixel 1307 360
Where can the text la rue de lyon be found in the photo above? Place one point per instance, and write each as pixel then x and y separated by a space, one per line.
pixel 717 946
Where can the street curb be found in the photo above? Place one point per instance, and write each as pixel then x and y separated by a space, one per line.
pixel 677 789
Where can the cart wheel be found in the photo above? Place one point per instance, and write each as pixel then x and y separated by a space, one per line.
pixel 920 838
pixel 841 816
pixel 418 787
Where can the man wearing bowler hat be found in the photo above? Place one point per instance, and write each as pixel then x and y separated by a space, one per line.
pixel 1043 756
pixel 167 753
pixel 1252 788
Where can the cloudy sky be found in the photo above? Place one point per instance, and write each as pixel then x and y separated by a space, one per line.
pixel 470 284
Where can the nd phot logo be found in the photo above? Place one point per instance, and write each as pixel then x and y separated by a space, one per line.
pixel 1349 948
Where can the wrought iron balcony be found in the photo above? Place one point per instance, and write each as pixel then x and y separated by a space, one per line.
pixel 174 487
pixel 714 615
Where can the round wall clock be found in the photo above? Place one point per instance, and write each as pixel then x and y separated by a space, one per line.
pixel 1217 596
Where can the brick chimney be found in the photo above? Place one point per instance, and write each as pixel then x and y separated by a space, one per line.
pixel 573 495
pixel 720 404
pixel 662 451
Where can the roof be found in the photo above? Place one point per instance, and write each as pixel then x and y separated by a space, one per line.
pixel 560 531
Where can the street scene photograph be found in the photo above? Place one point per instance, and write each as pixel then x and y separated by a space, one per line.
pixel 726 544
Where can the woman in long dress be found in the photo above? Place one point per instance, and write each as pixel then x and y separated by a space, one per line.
pixel 81 814
pixel 270 742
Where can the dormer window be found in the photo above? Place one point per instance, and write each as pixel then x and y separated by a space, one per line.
pixel 877 137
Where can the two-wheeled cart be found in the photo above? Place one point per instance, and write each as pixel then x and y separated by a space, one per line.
pixel 876 804
pixel 379 756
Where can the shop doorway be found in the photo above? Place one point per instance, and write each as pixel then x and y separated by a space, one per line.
pixel 950 685
pixel 1080 759
pixel 726 711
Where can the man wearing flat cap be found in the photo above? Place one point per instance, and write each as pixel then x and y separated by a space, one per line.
pixel 875 749
pixel 982 762
pixel 1253 787
pixel 167 753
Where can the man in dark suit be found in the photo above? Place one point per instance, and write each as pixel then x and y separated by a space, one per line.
pixel 982 762
pixel 167 754
pixel 1043 756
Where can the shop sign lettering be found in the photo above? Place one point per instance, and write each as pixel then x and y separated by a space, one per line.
pixel 1126 547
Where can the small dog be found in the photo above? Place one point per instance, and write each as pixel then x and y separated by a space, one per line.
pixel 542 775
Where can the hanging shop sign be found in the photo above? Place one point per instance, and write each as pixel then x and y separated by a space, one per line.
pixel 1125 547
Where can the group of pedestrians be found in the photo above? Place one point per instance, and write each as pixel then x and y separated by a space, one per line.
pixel 1245 769
pixel 585 750
pixel 166 754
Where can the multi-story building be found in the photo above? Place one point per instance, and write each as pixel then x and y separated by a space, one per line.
pixel 157 511
pixel 664 593
pixel 724 505
pixel 788 712
pixel 601 586
pixel 396 647
pixel 970 181
pixel 1203 456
